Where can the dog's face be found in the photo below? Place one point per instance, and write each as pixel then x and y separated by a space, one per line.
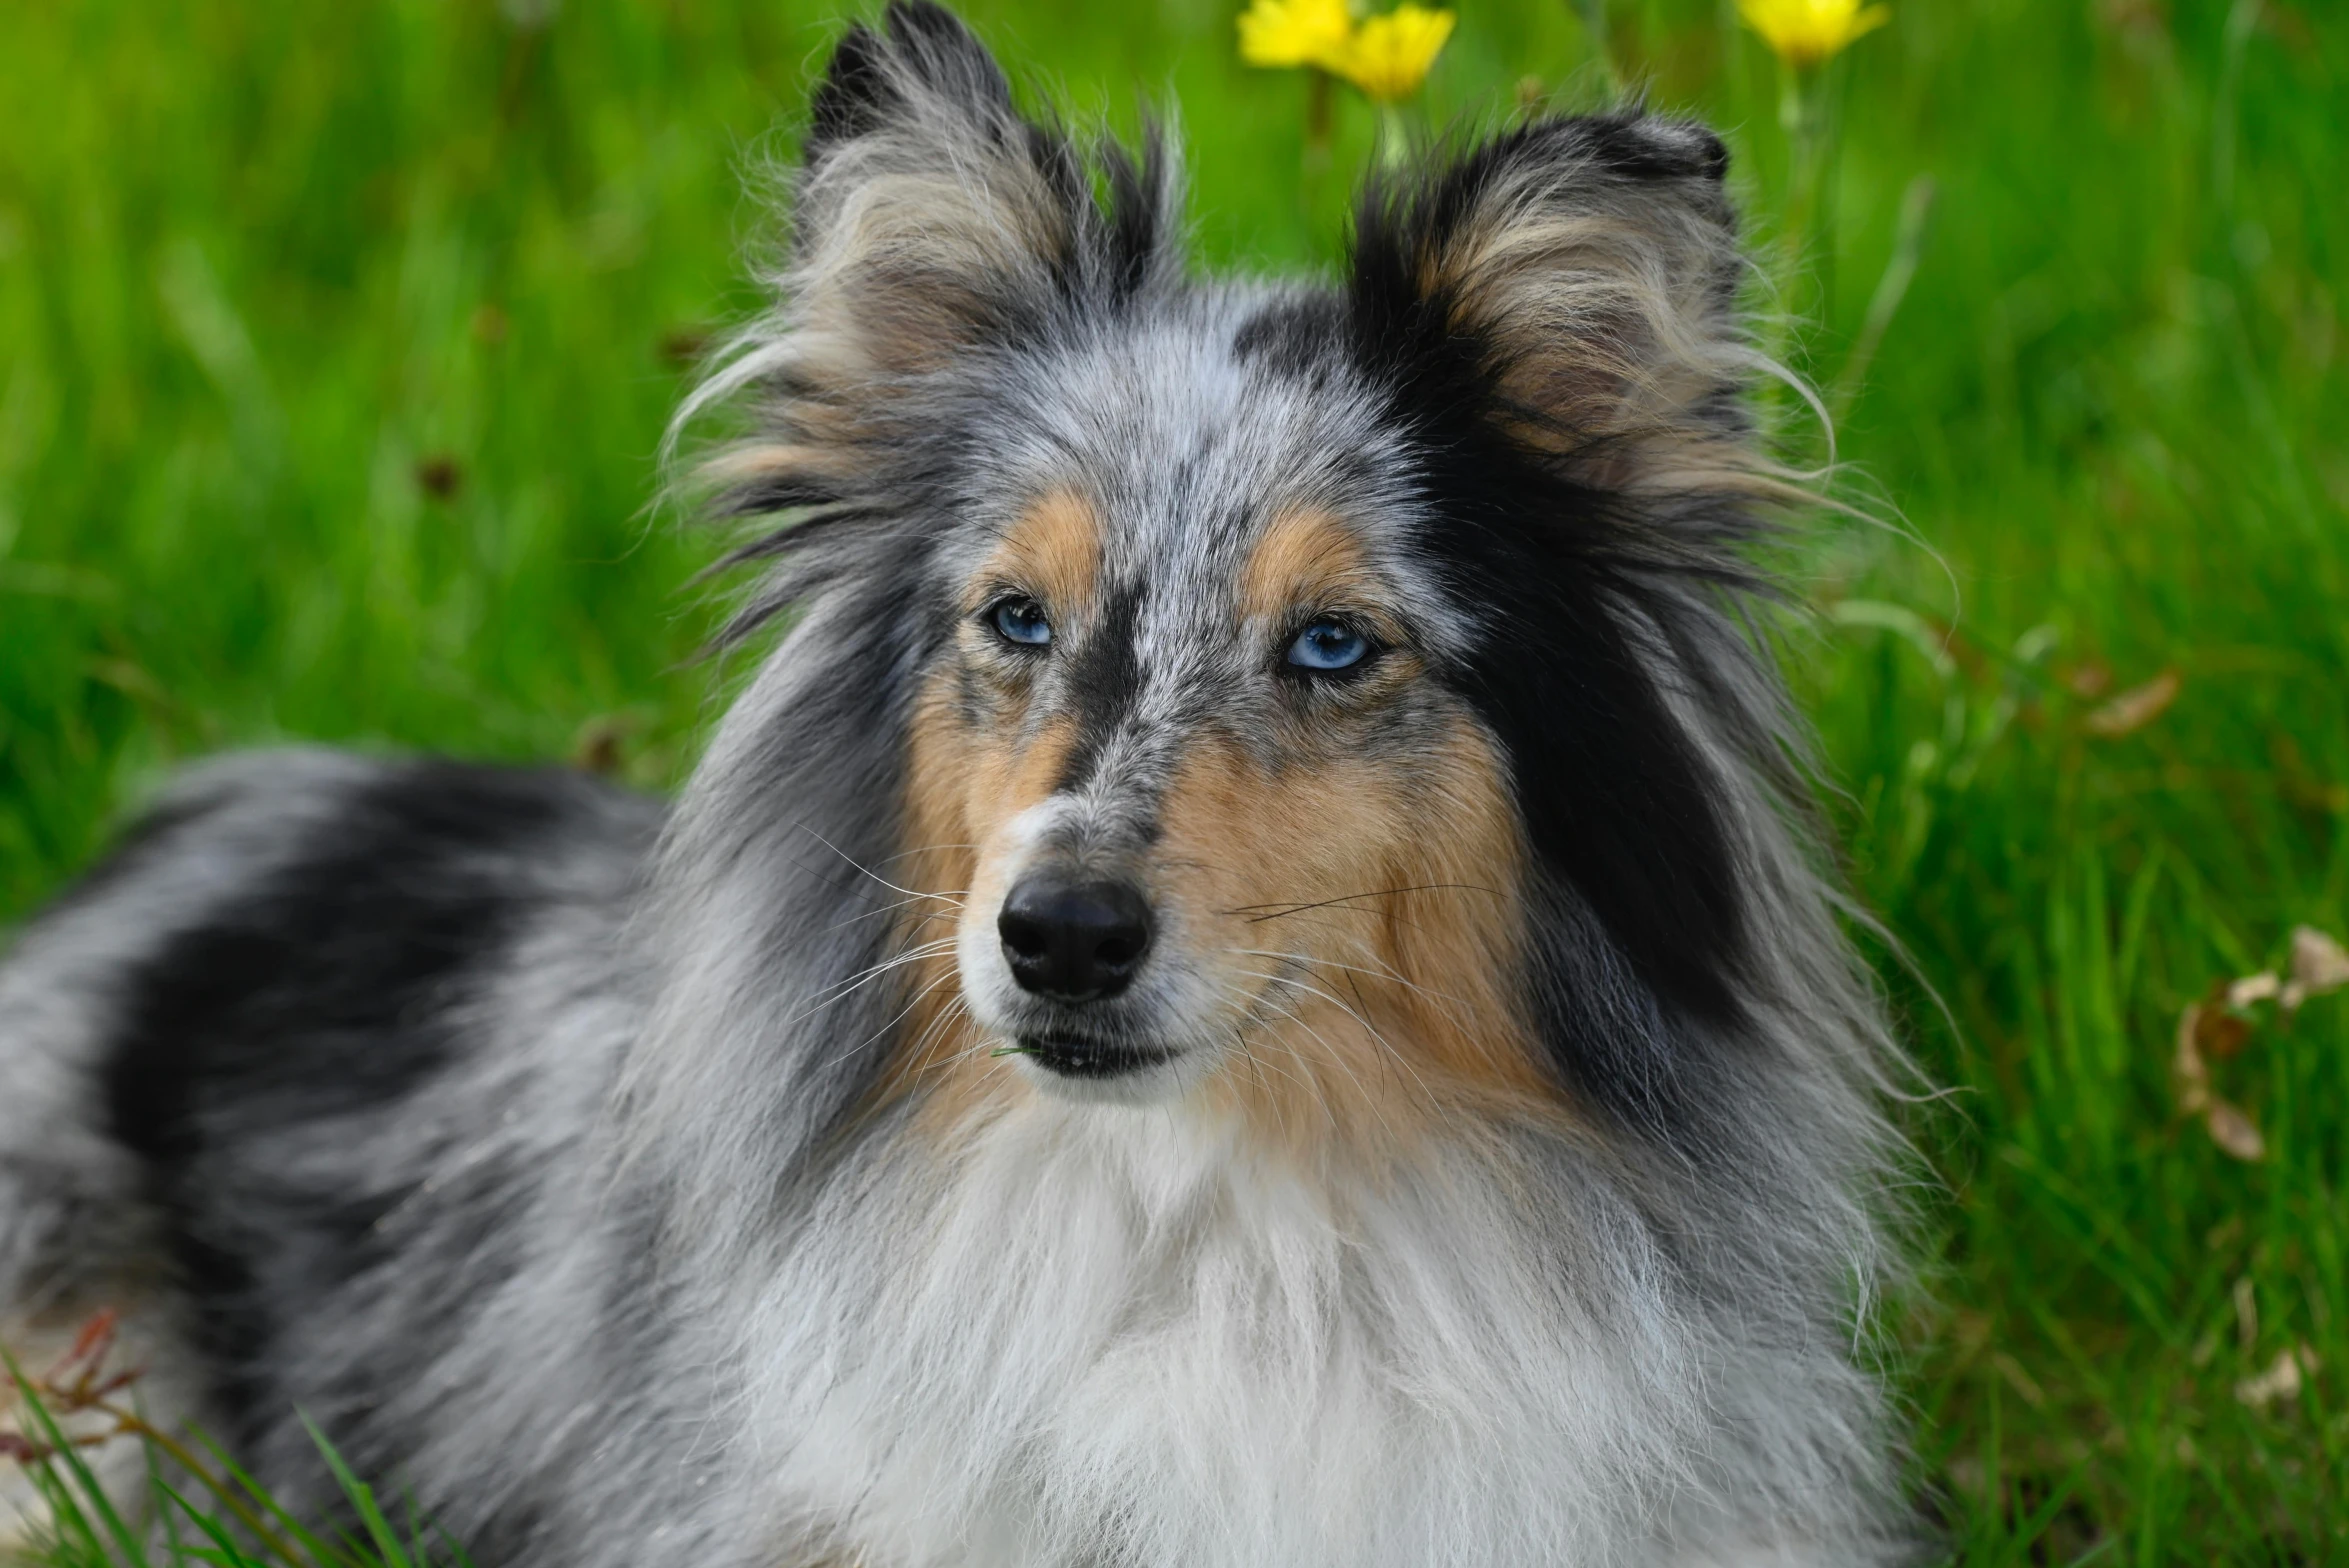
pixel 1209 802
pixel 1296 692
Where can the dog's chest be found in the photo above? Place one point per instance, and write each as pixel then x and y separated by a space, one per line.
pixel 1072 1354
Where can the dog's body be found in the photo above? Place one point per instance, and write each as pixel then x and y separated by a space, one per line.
pixel 1246 986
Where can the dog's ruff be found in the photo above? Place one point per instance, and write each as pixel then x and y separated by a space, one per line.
pixel 1452 1139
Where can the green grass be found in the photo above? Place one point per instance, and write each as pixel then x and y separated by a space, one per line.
pixel 266 270
pixel 197 1506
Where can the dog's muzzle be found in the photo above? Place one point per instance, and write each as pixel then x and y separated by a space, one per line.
pixel 1074 943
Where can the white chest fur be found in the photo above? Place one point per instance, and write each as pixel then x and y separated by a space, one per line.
pixel 1100 1335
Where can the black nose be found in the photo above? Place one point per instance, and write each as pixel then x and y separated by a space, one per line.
pixel 1073 941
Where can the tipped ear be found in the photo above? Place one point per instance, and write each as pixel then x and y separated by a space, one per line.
pixel 877 77
pixel 1554 313
pixel 929 215
pixel 929 219
pixel 1577 278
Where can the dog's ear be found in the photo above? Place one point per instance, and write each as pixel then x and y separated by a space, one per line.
pixel 929 215
pixel 1574 282
pixel 1554 314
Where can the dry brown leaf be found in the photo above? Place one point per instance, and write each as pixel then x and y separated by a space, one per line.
pixel 2091 679
pixel 2281 1381
pixel 2233 1131
pixel 2135 708
pixel 2319 964
pixel 440 476
pixel 2220 1032
pixel 2020 1381
pixel 2265 986
pixel 2189 1073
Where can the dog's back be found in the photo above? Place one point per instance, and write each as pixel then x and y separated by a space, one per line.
pixel 286 1073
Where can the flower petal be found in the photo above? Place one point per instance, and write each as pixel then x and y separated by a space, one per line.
pixel 1389 56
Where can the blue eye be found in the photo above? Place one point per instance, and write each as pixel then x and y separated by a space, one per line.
pixel 1328 645
pixel 1021 622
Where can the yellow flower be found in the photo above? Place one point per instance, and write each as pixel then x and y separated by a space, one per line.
pixel 1295 32
pixel 1804 33
pixel 1388 55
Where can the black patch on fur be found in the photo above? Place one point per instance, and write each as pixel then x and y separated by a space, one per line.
pixel 1299 338
pixel 320 997
pixel 856 96
pixel 1617 801
pixel 1103 678
pixel 1135 237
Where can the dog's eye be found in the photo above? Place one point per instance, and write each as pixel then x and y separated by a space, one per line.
pixel 1327 646
pixel 1021 622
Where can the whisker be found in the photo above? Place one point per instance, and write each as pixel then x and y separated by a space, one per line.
pixel 861 866
pixel 923 849
pixel 1259 1064
pixel 957 1009
pixel 1369 1028
pixel 841 989
pixel 1283 911
pixel 912 1003
pixel 956 899
pixel 1337 1059
pixel 1384 971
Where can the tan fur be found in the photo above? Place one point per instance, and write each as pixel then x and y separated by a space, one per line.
pixel 904 254
pixel 753 461
pixel 1053 551
pixel 964 784
pixel 1398 942
pixel 899 267
pixel 1306 561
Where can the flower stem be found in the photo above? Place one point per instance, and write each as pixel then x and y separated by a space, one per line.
pixel 1394 141
pixel 1908 244
pixel 1320 113
pixel 1594 24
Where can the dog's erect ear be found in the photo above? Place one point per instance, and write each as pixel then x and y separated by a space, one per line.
pixel 930 221
pixel 929 215
pixel 874 80
pixel 1574 280
pixel 1555 313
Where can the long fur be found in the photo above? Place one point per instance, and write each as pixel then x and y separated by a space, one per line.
pixel 634 1182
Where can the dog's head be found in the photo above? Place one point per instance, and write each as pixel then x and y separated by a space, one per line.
pixel 1319 694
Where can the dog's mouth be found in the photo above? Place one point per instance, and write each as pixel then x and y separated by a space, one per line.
pixel 1073 1056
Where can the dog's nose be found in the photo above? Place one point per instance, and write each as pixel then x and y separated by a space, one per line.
pixel 1073 941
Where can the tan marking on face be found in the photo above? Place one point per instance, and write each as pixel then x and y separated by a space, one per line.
pixel 963 786
pixel 1306 559
pixel 1053 551
pixel 1390 901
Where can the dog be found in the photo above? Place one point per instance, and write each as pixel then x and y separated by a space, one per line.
pixel 1252 979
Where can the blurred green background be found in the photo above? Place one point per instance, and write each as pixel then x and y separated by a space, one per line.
pixel 336 343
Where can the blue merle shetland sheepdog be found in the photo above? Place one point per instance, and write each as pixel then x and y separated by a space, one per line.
pixel 1249 983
